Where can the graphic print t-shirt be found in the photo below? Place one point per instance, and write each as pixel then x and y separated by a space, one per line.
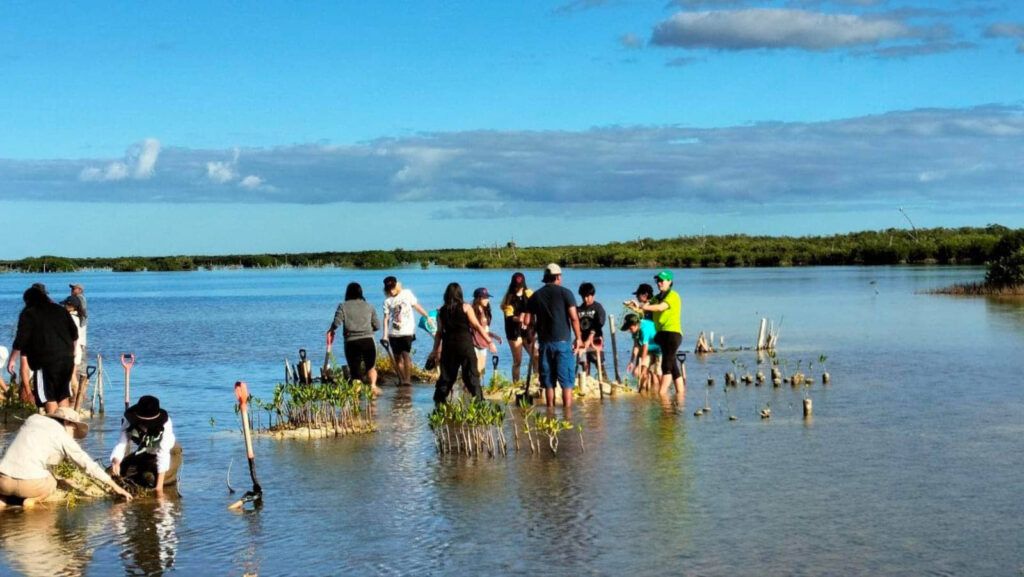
pixel 399 310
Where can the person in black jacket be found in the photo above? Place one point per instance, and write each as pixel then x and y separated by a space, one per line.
pixel 46 338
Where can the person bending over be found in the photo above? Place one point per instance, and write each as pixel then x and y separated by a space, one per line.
pixel 156 458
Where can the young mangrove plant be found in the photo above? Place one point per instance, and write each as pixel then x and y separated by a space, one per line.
pixel 344 406
pixel 470 427
pixel 825 377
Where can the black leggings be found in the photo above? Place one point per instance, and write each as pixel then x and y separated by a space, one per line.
pixel 454 358
pixel 669 343
pixel 361 356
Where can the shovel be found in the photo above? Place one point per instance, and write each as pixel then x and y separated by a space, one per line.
pixel 127 361
pixel 256 495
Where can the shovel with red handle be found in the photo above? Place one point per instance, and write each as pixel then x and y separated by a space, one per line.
pixel 256 495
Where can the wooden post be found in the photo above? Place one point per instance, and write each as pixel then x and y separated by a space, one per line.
pixel 762 337
pixel 615 349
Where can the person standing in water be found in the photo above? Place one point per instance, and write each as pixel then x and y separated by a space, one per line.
pixel 453 344
pixel 400 326
pixel 668 308
pixel 513 306
pixel 482 308
pixel 552 309
pixel 46 338
pixel 358 321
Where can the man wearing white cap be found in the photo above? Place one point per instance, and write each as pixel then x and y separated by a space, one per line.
pixel 552 309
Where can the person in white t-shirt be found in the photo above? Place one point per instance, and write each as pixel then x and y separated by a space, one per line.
pixel 400 326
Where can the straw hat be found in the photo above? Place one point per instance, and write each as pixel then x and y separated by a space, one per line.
pixel 70 417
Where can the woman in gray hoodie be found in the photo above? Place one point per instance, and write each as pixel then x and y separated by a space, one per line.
pixel 358 320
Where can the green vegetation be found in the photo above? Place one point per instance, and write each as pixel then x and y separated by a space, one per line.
pixel 342 406
pixel 964 245
pixel 1005 276
pixel 473 427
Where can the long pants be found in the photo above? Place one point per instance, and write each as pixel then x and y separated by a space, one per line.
pixel 452 360
pixel 27 488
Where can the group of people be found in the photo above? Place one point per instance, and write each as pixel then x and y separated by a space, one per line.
pixel 547 325
pixel 49 352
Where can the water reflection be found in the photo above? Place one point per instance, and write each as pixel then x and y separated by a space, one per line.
pixel 148 533
pixel 47 541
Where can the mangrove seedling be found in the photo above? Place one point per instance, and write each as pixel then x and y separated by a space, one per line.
pixel 825 377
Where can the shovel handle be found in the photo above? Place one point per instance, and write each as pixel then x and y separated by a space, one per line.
pixel 494 362
pixel 127 360
pixel 90 371
pixel 302 354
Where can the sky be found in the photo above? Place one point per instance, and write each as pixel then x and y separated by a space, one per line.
pixel 214 127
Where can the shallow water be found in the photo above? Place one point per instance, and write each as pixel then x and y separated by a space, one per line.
pixel 911 464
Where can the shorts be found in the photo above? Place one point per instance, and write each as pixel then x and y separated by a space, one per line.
pixel 53 381
pixel 557 365
pixel 513 329
pixel 402 344
pixel 361 356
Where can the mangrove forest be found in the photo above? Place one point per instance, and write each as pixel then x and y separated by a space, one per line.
pixel 942 246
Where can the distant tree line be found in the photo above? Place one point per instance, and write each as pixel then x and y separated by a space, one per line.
pixel 967 245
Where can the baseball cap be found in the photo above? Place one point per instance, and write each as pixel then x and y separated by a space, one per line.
pixel 553 269
pixel 629 320
pixel 481 293
pixel 664 275
pixel 644 289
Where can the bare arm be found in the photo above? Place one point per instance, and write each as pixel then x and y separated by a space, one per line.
pixel 574 318
pixel 475 323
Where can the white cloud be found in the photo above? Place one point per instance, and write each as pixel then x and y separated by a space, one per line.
pixel 139 164
pixel 144 156
pixel 946 157
pixel 223 171
pixel 776 28
pixel 251 182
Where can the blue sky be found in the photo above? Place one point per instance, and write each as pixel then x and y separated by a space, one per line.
pixel 165 128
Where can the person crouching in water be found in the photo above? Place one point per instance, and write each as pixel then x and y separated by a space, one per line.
pixel 43 441
pixel 453 344
pixel 156 459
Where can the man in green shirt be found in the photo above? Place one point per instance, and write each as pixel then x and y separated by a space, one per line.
pixel 667 308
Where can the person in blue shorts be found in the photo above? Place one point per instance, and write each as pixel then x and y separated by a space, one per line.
pixel 552 310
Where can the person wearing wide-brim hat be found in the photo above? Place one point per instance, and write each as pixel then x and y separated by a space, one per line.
pixel 43 441
pixel 154 462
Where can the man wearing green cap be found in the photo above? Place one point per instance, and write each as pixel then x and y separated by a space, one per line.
pixel 667 308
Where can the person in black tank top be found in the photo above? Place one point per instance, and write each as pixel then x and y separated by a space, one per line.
pixel 513 307
pixel 453 345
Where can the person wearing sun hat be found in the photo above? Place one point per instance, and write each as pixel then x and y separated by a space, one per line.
pixel 42 442
pixel 667 308
pixel 155 461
